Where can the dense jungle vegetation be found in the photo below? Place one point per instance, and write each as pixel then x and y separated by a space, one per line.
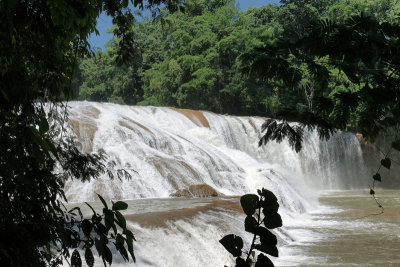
pixel 331 64
pixel 196 59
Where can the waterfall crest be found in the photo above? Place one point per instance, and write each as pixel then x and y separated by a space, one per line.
pixel 168 149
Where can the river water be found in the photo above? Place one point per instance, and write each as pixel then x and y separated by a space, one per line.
pixel 345 231
pixel 349 230
pixel 320 190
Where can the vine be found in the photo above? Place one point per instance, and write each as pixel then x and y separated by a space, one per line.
pixel 385 162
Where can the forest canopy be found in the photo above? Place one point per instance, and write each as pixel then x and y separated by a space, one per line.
pixel 195 59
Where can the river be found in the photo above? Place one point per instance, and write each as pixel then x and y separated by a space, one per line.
pixel 321 190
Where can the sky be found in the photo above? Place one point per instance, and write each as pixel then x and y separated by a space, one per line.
pixel 104 22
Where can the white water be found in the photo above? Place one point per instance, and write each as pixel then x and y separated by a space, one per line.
pixel 164 151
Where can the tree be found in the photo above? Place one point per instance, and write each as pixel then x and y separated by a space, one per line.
pixel 352 69
pixel 40 43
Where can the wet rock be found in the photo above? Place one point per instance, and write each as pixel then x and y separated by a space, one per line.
pixel 199 190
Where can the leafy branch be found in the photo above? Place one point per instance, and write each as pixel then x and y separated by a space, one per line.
pixel 263 240
pixel 84 233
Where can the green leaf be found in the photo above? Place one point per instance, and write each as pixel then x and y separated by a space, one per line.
pixel 89 257
pixel 5 95
pixel 90 207
pixel 233 244
pixel 119 240
pixel 76 259
pixel 396 145
pixel 109 219
pixel 386 162
pixel 121 219
pixel 86 227
pixel 107 255
pixel 43 126
pixel 129 242
pixel 249 203
pixel 263 261
pixel 124 253
pixel 99 244
pixel 119 244
pixel 103 201
pixel 120 205
pixel 250 224
pixel 103 250
pixel 128 233
pixel 272 220
pixel 271 250
pixel 377 177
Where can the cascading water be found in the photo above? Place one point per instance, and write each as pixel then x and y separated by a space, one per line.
pixel 166 150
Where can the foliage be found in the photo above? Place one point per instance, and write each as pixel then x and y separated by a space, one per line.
pixel 348 68
pixel 40 44
pixel 263 240
pixel 196 59
pixel 189 61
pixel 364 51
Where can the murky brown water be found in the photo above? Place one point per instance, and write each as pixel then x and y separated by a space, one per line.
pixel 349 233
pixel 345 232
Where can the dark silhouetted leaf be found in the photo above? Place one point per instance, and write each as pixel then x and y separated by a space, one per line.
pixel 271 250
pixel 268 196
pixel 103 201
pixel 269 207
pixel 121 219
pixel 396 145
pixel 266 237
pixel 272 220
pixel 250 224
pixel 107 255
pixel 109 219
pixel 43 126
pixel 129 242
pixel 371 192
pixel 377 177
pixel 241 262
pixel 119 240
pixel 233 244
pixel 76 259
pixel 86 227
pixel 263 261
pixel 90 207
pixel 89 257
pixel 386 162
pixel 99 246
pixel 119 205
pixel 249 203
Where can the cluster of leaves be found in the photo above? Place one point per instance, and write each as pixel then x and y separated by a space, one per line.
pixel 191 61
pixel 361 49
pixel 35 161
pixel 96 233
pixel 196 60
pixel 263 240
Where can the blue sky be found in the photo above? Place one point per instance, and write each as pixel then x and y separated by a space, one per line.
pixel 104 22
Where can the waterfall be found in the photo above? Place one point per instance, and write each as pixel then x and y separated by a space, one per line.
pixel 167 149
